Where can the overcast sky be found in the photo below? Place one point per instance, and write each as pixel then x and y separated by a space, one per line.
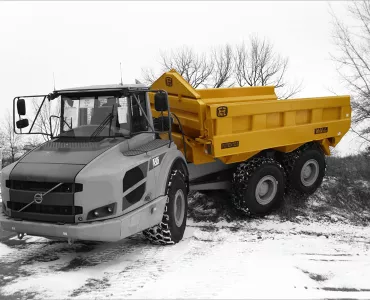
pixel 84 42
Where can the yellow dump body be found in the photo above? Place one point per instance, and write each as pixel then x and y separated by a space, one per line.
pixel 234 124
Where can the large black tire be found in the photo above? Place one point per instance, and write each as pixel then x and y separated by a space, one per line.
pixel 305 169
pixel 248 180
pixel 172 228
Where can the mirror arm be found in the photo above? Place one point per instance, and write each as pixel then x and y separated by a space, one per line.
pixel 169 120
pixel 14 115
pixel 38 112
pixel 51 128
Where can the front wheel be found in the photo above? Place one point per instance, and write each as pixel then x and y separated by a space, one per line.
pixel 172 228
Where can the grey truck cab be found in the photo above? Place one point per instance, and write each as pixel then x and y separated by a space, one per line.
pixel 103 175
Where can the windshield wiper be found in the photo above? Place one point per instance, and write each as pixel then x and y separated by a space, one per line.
pixel 102 125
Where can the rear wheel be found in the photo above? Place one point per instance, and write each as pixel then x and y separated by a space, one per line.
pixel 258 185
pixel 172 228
pixel 305 168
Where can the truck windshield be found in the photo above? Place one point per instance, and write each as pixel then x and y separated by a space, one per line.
pixel 106 116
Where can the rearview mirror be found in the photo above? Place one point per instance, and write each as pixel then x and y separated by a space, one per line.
pixel 161 101
pixel 21 107
pixel 22 123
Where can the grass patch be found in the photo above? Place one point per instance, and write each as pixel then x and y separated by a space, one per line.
pixel 213 206
pixel 354 166
pixel 343 196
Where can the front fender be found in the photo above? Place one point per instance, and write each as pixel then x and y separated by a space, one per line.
pixel 169 160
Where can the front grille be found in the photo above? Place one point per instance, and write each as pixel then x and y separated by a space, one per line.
pixel 21 185
pixel 46 209
pixel 57 206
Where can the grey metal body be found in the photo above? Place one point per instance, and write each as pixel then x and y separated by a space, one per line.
pixel 103 171
pixel 102 181
pixel 130 173
pixel 200 179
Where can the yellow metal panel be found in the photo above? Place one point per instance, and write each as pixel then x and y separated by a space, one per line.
pixel 221 101
pixel 288 148
pixel 174 84
pixel 183 104
pixel 346 112
pixel 250 120
pixel 277 137
pixel 331 113
pixel 238 157
pixel 302 117
pixel 223 126
pixel 263 107
pixel 289 118
pixel 325 145
pixel 316 115
pixel 274 120
pixel 256 93
pixel 258 122
pixel 241 124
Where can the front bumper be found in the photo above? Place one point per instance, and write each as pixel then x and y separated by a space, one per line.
pixel 110 230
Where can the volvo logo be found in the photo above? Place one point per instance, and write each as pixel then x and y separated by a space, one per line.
pixel 38 198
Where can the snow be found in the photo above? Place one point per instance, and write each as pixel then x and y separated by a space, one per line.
pixel 259 259
pixel 5 250
pixel 256 258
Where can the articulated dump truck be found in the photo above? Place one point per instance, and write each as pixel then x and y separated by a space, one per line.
pixel 126 156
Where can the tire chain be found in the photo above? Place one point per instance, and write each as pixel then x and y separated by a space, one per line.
pixel 289 160
pixel 161 234
pixel 241 178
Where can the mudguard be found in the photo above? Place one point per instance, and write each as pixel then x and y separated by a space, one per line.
pixel 172 156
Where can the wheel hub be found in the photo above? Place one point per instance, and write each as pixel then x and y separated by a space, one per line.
pixel 179 207
pixel 310 172
pixel 266 190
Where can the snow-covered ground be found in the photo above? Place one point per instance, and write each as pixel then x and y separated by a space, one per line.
pixel 319 255
pixel 262 258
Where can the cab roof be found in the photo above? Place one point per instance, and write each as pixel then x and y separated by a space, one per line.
pixel 100 88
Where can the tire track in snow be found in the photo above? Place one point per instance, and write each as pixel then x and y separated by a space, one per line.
pixel 148 267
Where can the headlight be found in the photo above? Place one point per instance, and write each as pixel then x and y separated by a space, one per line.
pixel 102 212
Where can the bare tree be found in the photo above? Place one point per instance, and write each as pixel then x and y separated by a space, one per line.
pixel 149 76
pixel 223 61
pixel 13 143
pixel 353 61
pixel 43 122
pixel 252 64
pixel 195 68
pixel 33 141
pixel 257 64
pixel 200 70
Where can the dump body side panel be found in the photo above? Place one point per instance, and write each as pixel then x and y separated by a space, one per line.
pixel 251 127
pixel 234 124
